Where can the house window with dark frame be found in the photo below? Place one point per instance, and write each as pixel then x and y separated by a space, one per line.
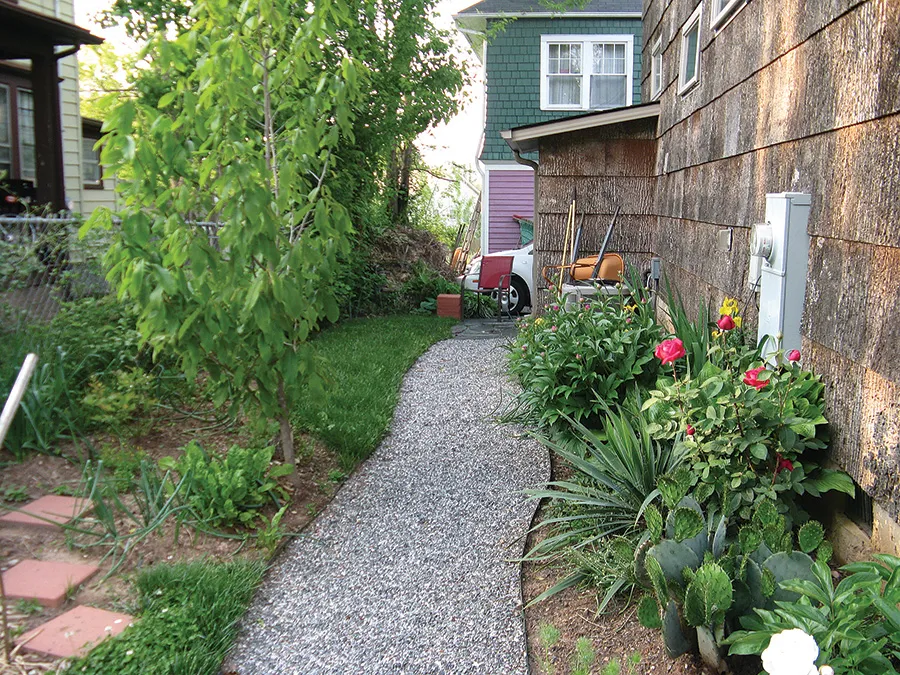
pixel 17 130
pixel 586 72
pixel 91 170
pixel 689 73
pixel 656 57
pixel 6 157
pixel 27 157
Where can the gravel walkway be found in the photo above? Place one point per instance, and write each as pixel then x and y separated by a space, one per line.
pixel 407 570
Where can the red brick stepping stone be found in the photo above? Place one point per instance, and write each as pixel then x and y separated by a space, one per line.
pixel 74 633
pixel 58 509
pixel 45 581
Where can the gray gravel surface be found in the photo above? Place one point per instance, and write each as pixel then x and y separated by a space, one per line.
pixel 409 569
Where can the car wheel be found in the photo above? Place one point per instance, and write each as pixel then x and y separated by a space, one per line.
pixel 519 297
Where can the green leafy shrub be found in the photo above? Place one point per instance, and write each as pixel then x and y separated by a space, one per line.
pixel 702 582
pixel 96 336
pixel 124 398
pixel 856 623
pixel 748 443
pixel 123 464
pixel 230 490
pixel 576 362
pixel 188 620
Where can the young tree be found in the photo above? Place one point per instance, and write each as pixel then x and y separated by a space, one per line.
pixel 262 94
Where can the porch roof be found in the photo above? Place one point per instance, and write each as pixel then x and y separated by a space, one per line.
pixel 525 138
pixel 24 34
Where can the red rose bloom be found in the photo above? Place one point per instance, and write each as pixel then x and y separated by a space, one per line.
pixel 751 378
pixel 793 355
pixel 690 430
pixel 725 322
pixel 783 464
pixel 669 351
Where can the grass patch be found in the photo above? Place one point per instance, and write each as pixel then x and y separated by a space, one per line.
pixel 188 621
pixel 367 359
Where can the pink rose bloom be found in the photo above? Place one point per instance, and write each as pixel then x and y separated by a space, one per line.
pixel 793 355
pixel 751 378
pixel 725 322
pixel 669 351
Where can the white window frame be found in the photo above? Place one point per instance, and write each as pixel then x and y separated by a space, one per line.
pixel 693 22
pixel 656 61
pixel 22 174
pixel 587 41
pixel 726 11
pixel 10 131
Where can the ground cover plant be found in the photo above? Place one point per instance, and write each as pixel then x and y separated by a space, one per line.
pixel 187 619
pixel 366 359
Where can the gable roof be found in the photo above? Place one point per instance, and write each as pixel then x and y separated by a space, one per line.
pixel 520 7
pixel 472 21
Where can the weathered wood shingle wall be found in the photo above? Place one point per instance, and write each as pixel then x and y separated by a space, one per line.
pixel 796 96
pixel 602 169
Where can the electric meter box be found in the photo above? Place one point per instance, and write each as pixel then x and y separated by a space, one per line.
pixel 783 245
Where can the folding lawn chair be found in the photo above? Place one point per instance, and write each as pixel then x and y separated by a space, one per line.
pixel 495 275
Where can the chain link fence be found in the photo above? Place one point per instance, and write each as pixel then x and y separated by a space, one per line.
pixel 43 263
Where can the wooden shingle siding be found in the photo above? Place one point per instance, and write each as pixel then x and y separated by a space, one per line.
pixel 602 170
pixel 796 96
pixel 510 193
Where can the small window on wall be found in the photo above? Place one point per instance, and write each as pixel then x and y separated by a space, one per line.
pixel 656 69
pixel 722 10
pixel 689 74
pixel 92 172
pixel 586 72
pixel 5 134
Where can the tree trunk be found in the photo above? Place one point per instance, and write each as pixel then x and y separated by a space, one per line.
pixel 287 435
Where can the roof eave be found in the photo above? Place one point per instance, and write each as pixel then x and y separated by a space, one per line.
pixel 526 138
pixel 549 15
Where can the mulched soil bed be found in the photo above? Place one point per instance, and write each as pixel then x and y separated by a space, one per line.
pixel 616 634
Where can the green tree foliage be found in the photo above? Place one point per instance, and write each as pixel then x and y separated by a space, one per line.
pixel 257 117
pixel 104 76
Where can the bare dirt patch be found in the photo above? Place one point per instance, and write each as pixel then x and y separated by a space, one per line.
pixel 317 480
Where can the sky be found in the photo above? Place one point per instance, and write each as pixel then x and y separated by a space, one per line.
pixel 454 142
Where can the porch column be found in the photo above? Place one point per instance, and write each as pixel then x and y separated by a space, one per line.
pixel 48 131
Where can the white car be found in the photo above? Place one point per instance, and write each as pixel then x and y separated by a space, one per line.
pixel 521 289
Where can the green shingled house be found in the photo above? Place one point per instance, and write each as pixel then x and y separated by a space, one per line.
pixel 541 65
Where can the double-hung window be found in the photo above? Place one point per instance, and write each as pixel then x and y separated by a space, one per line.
pixel 6 157
pixel 722 10
pixel 17 137
pixel 689 73
pixel 586 72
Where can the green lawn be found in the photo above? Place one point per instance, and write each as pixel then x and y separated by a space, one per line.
pixel 188 619
pixel 367 359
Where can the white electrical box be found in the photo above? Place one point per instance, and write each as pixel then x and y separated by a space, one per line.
pixel 782 245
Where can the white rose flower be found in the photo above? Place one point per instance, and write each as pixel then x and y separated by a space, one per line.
pixel 791 652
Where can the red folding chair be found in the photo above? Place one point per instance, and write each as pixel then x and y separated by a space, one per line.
pixel 495 275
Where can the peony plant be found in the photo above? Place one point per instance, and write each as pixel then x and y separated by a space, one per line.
pixel 576 362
